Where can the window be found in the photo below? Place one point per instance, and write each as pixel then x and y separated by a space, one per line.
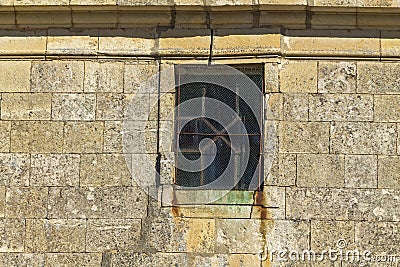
pixel 226 153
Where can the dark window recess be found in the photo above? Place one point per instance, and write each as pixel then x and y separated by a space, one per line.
pixel 229 156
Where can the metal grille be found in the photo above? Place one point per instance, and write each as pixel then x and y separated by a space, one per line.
pixel 196 128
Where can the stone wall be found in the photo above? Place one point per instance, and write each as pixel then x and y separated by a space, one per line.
pixel 332 151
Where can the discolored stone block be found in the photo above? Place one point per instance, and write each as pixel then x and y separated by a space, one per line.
pixel 58 235
pixel 83 137
pixel 283 170
pixel 21 259
pixel 146 259
pixel 25 106
pixel 12 235
pixel 108 234
pixel 363 138
pixel 142 76
pixel 2 201
pixel 341 107
pixel 113 106
pixel 140 137
pixel 296 77
pixel 271 74
pixel 73 259
pixel 14 169
pixel 274 111
pixel 73 107
pixel 389 172
pixel 26 202
pixel 184 42
pixel 303 137
pixel 36 136
pixel 104 77
pixel 57 76
pixel 320 170
pixel 97 202
pixel 15 76
pixel 5 132
pixel 361 171
pixel 337 77
pixel 104 170
pixel 295 107
pixel 69 42
pixel 387 108
pixel 378 78
pixel 54 170
pixel 113 136
pixel 325 234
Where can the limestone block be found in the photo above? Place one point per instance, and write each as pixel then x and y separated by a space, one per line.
pixel 146 259
pixel 57 76
pixel 325 234
pixel 363 138
pixel 104 170
pixel 388 172
pixel 387 108
pixel 378 78
pixel 214 211
pixel 140 137
pixel 14 169
pixel 83 137
pixel 270 203
pixel 103 19
pixel 274 110
pixel 167 107
pixel 112 106
pixel 42 19
pixel 15 76
pixel 26 202
pixel 341 107
pixel 40 2
pixel 68 42
pixel 36 136
pixel 361 171
pixel 99 202
pixel 73 259
pixel 298 77
pixel 26 106
pixel 107 234
pixel 2 201
pixel 113 136
pixel 303 137
pixel 104 77
pixel 283 170
pixel 144 2
pixel 57 235
pixel 54 170
pixel 320 170
pixel 271 75
pixel 288 19
pixel 73 107
pixel 184 42
pixel 141 76
pixel 22 42
pixel 12 233
pixel 336 3
pixel 21 259
pixel 295 107
pixel 270 138
pixel 337 77
pixel 5 132
pixel 390 43
pixel 144 19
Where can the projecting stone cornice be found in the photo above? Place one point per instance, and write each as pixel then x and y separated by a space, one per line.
pixel 289 14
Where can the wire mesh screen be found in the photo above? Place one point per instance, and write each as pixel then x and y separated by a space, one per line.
pixel 219 148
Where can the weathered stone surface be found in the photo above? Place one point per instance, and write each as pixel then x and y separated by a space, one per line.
pixel 363 138
pixel 14 169
pixel 270 140
pixel 274 110
pixel 390 43
pixel 15 76
pixel 25 106
pixel 83 137
pixel 283 170
pixel 142 76
pixel 378 78
pixel 69 42
pixel 113 106
pixel 295 107
pixel 303 137
pixel 146 259
pixel 320 170
pixel 269 204
pixel 2 201
pixel 73 259
pixel 100 202
pixel 40 19
pixel 57 76
pixel 325 234
pixel 389 172
pixel 12 233
pixel 54 170
pixel 340 107
pixel 104 170
pixel 140 137
pixel 36 136
pixel 22 42
pixel 361 171
pixel 73 107
pixel 298 76
pixel 107 234
pixel 58 235
pixel 184 42
pixel 378 237
pixel 337 77
pixel 143 172
pixel 387 108
pixel 26 202
pixel 104 77
pixel 167 107
pixel 342 204
pixel 113 136
pixel 271 75
pixel 21 259
pixel 214 211
pixel 5 132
